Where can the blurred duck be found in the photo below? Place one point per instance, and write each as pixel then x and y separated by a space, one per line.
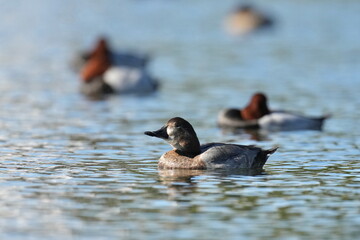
pixel 245 19
pixel 102 75
pixel 120 58
pixel 189 154
pixel 257 115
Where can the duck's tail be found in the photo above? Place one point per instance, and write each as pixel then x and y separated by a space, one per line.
pixel 319 121
pixel 322 118
pixel 262 157
pixel 270 151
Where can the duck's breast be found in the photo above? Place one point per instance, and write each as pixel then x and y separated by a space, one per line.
pixel 220 155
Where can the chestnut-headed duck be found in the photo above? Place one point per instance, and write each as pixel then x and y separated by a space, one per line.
pixel 189 154
pixel 256 115
pixel 101 75
pixel 245 19
pixel 119 58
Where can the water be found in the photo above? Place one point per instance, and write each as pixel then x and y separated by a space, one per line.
pixel 78 169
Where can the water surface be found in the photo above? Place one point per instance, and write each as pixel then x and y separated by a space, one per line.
pixel 72 168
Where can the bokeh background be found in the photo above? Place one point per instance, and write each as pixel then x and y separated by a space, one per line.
pixel 72 168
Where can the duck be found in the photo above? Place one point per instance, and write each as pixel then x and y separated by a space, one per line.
pixel 257 115
pixel 187 152
pixel 246 19
pixel 101 75
pixel 120 58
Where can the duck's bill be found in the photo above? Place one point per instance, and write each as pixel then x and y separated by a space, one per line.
pixel 161 133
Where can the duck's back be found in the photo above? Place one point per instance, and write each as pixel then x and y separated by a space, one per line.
pixel 282 120
pixel 130 59
pixel 220 155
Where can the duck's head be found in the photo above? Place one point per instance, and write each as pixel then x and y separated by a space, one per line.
pixel 244 8
pixel 99 61
pixel 102 46
pixel 180 135
pixel 256 108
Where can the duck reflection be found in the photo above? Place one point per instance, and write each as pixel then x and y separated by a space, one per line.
pixel 182 182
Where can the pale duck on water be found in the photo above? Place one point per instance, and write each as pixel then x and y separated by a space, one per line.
pixel 189 154
pixel 245 19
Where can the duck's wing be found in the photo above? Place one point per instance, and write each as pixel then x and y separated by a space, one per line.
pixel 220 155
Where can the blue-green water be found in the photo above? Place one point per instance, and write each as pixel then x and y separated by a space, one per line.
pixel 77 169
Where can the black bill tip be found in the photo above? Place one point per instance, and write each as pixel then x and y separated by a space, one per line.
pixel 149 133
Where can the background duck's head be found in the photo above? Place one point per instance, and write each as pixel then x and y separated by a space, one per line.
pixel 99 61
pixel 257 107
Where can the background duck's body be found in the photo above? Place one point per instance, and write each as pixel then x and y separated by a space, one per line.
pixel 256 115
